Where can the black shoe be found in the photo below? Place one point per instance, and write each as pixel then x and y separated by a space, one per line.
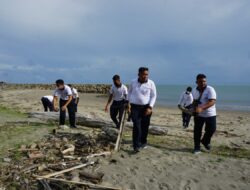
pixel 207 146
pixel 74 127
pixel 144 146
pixel 136 150
pixel 196 151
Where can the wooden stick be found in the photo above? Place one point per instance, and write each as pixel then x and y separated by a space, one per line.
pixel 119 138
pixel 84 183
pixel 64 171
pixel 99 154
pixel 71 148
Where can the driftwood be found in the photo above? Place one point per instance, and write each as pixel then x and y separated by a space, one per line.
pixel 92 177
pixel 64 171
pixel 85 120
pixel 99 154
pixel 70 149
pixel 85 184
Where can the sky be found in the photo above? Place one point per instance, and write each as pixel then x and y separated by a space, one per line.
pixel 88 41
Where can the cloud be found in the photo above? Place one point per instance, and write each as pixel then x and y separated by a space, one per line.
pixel 89 41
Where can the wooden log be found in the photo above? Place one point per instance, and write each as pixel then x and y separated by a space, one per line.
pixel 85 184
pixel 64 171
pixel 99 154
pixel 85 120
pixel 92 177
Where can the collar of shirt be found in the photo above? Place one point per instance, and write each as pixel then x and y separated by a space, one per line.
pixel 141 81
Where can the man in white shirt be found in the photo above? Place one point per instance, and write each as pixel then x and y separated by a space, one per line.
pixel 186 101
pixel 204 99
pixel 142 97
pixel 118 93
pixel 47 102
pixel 64 92
pixel 75 96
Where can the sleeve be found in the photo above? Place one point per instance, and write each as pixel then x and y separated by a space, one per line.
pixel 69 91
pixel 212 94
pixel 180 100
pixel 191 98
pixel 56 93
pixel 153 95
pixel 125 90
pixel 111 90
pixel 76 93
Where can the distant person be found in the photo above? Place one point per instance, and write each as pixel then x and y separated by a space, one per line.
pixel 65 94
pixel 75 96
pixel 142 98
pixel 47 102
pixel 186 101
pixel 205 99
pixel 119 94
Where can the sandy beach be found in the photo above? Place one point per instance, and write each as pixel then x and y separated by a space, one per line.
pixel 168 162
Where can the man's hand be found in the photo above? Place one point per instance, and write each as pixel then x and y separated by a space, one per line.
pixel 106 108
pixel 56 109
pixel 129 108
pixel 199 110
pixel 64 108
pixel 148 111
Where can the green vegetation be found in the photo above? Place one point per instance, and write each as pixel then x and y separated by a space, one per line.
pixel 15 130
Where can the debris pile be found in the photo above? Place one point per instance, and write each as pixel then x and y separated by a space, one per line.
pixel 58 161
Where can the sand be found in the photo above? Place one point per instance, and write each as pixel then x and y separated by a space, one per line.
pixel 168 162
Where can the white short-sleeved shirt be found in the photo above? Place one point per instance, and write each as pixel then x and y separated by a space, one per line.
pixel 120 93
pixel 49 97
pixel 142 93
pixel 208 94
pixel 63 94
pixel 186 99
pixel 75 93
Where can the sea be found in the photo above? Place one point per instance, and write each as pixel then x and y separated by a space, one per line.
pixel 229 97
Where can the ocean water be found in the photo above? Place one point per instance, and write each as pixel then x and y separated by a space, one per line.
pixel 229 97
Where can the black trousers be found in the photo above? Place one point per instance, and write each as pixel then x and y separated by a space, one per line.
pixel 210 128
pixel 47 104
pixel 141 124
pixel 117 109
pixel 75 104
pixel 186 117
pixel 71 112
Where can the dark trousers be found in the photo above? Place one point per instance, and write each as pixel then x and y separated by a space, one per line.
pixel 75 104
pixel 210 128
pixel 186 117
pixel 117 109
pixel 141 124
pixel 71 112
pixel 47 104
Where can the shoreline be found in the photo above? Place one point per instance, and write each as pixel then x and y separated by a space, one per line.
pixel 171 107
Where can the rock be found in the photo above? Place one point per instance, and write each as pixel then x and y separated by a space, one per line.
pixel 23 147
pixel 36 155
pixel 42 167
pixel 7 159
pixel 33 146
pixel 155 130
pixel 110 133
pixel 65 139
